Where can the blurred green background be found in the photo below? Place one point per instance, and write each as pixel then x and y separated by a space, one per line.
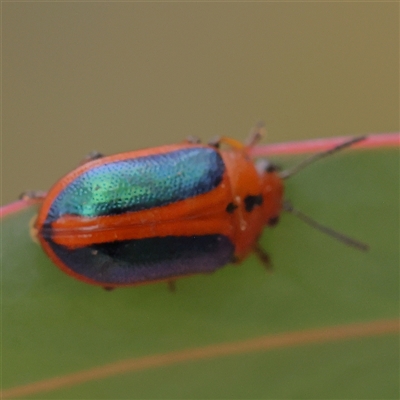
pixel 79 76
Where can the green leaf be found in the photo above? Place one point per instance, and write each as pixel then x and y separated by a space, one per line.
pixel 54 326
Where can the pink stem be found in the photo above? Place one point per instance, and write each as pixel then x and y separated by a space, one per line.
pixel 16 206
pixel 315 145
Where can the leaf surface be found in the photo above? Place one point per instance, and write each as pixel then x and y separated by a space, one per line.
pixel 54 326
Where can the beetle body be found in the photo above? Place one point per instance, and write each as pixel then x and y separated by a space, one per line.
pixel 158 214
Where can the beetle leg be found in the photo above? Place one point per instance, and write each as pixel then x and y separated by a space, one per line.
pixel 33 231
pixel 32 195
pixel 193 139
pixel 256 134
pixel 235 260
pixel 218 140
pixel 171 285
pixel 215 142
pixel 108 288
pixel 264 257
pixel 93 155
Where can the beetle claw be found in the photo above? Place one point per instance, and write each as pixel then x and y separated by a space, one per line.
pixel 93 155
pixel 193 139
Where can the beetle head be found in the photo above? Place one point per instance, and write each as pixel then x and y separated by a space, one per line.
pixel 272 191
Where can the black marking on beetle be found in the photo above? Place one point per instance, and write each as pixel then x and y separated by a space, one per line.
pixel 231 207
pixel 251 201
pixel 134 261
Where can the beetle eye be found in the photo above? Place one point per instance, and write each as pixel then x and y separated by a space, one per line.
pixel 271 168
pixel 266 166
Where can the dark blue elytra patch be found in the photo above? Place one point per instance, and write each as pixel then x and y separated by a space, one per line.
pixel 140 183
pixel 147 260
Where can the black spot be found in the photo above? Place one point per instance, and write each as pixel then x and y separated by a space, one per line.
pixel 273 221
pixel 231 207
pixel 251 201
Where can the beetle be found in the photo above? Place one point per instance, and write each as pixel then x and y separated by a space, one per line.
pixel 164 213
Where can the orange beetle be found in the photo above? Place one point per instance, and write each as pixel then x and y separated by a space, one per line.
pixel 162 213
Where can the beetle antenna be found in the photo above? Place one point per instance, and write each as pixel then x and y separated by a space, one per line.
pixel 256 134
pixel 315 157
pixel 287 206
